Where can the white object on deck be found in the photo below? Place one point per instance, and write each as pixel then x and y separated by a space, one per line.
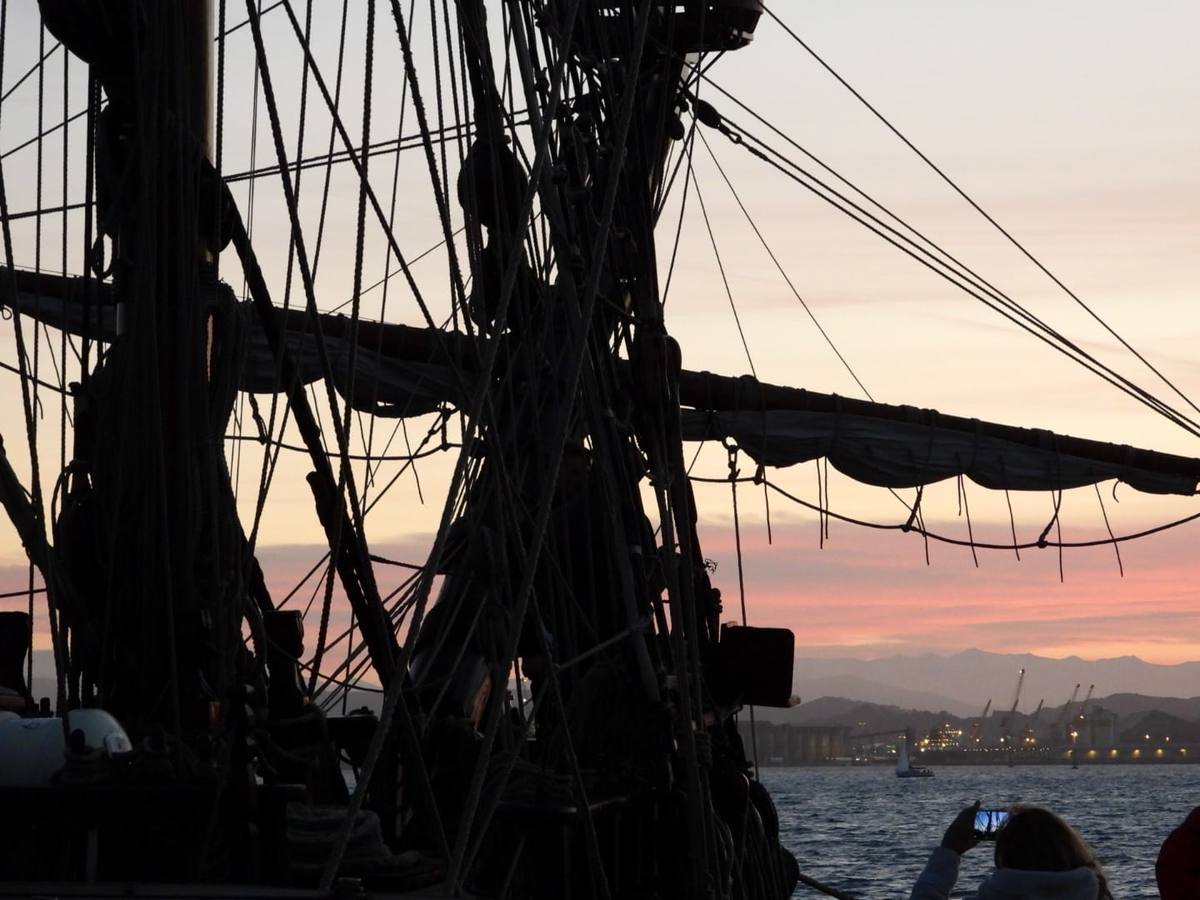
pixel 33 750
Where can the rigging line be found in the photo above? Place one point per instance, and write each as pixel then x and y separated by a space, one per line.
pixel 268 474
pixel 962 193
pixel 571 380
pixel 737 537
pixel 962 494
pixel 63 416
pixel 44 134
pixel 724 279
pixel 347 500
pixel 996 296
pixel 433 430
pixel 344 469
pixel 345 473
pixel 969 273
pixel 289 189
pixel 379 148
pixel 267 470
pixel 37 65
pixel 356 457
pixel 463 464
pixel 439 102
pixel 905 245
pixel 1108 528
pixel 242 24
pixel 1039 544
pixel 782 271
pixel 416 259
pixel 311 65
pixel 22 593
pixel 471 417
pixel 26 376
pixel 48 211
pixel 687 180
pixel 336 104
pixel 440 190
pixel 369 444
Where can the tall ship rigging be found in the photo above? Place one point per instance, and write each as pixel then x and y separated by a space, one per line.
pixel 557 684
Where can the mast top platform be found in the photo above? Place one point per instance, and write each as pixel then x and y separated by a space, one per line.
pixel 679 27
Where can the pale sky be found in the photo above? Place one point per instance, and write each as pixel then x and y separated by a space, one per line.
pixel 1073 123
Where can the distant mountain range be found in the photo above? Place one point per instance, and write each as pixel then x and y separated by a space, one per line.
pixel 961 683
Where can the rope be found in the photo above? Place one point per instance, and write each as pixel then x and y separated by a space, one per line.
pixel 824 888
pixel 725 281
pixel 995 301
pixel 946 178
pixel 360 236
pixel 1108 527
pixel 950 268
pixel 369 478
pixel 1039 544
pixel 782 271
pixel 35 67
pixel 242 24
pixel 737 540
pixel 687 181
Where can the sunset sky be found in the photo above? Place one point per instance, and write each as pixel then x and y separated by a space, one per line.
pixel 1073 123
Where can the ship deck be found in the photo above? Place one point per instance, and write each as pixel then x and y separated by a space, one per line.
pixel 45 890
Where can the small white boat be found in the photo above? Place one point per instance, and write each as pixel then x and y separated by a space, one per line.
pixel 905 768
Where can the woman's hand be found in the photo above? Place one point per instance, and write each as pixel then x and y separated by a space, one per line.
pixel 960 836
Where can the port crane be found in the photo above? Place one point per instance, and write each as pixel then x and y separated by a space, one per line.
pixel 1007 737
pixel 1064 715
pixel 1086 700
pixel 1031 725
pixel 975 728
pixel 1006 722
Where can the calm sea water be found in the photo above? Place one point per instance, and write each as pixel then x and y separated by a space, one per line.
pixel 869 833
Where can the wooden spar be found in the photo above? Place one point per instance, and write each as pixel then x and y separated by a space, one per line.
pixel 42 296
pixel 706 391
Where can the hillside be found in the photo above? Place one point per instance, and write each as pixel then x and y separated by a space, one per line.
pixel 1159 715
pixel 965 681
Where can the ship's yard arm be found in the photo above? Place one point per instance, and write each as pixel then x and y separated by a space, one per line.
pixel 700 393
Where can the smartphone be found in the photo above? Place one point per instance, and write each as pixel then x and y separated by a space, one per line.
pixel 988 822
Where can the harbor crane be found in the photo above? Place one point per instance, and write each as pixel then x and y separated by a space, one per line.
pixel 1007 736
pixel 1065 713
pixel 975 728
pixel 1031 725
pixel 1074 721
pixel 1086 700
pixel 1006 722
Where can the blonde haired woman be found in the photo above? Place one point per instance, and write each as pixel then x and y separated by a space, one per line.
pixel 1038 855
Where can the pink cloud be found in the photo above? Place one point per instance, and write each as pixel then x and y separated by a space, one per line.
pixel 870 593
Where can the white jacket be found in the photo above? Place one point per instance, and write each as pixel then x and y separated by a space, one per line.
pixel 941 872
